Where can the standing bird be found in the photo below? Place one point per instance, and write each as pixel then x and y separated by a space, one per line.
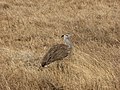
pixel 58 51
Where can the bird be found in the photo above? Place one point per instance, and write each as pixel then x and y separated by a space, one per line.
pixel 58 51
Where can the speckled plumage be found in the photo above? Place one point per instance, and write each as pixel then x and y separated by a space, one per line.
pixel 56 52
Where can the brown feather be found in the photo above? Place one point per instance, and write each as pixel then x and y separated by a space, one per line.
pixel 56 52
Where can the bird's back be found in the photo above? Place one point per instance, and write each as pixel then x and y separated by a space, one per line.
pixel 56 52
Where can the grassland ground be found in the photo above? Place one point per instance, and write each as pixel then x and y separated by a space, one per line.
pixel 28 28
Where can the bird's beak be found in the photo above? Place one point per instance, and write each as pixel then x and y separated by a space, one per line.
pixel 62 36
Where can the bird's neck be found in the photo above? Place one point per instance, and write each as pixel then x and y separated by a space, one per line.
pixel 68 42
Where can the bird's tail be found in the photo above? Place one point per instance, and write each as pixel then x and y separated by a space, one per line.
pixel 43 64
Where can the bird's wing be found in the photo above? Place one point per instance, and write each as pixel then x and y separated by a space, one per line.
pixel 56 52
pixel 60 53
pixel 47 57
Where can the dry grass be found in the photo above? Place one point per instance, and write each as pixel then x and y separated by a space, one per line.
pixel 29 27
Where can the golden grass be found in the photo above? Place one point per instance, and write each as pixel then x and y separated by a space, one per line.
pixel 28 28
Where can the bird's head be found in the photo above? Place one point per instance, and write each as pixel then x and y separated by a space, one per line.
pixel 67 40
pixel 66 36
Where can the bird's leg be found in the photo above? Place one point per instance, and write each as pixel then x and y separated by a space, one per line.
pixel 60 66
pixel 57 65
